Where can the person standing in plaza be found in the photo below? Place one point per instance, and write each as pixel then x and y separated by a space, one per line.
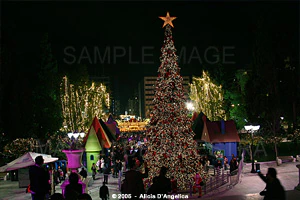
pixel 103 192
pixel 154 189
pixel 39 180
pixel 115 167
pixel 126 161
pixel 225 163
pixel 134 181
pixel 74 188
pixel 83 173
pixel 197 184
pixel 273 190
pixel 164 182
pixel 101 165
pixel 84 196
pixel 233 163
pixel 108 162
pixel 63 168
pixel 98 165
pixel 119 167
pixel 60 173
pixel 106 174
pixel 94 171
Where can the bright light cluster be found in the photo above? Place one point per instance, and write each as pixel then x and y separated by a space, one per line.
pixel 208 97
pixel 80 104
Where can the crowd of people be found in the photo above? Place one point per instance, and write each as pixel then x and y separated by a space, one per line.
pixel 130 160
pixel 133 183
pixel 40 184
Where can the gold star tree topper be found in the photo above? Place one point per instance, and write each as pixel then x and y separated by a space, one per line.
pixel 168 20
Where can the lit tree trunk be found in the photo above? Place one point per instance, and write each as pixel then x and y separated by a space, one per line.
pixel 275 140
pixel 251 149
pixel 276 152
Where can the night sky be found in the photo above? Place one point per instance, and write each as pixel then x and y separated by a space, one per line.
pixel 115 26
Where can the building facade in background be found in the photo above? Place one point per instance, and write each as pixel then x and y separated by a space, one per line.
pixel 133 106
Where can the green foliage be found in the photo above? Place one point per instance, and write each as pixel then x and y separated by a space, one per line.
pixel 284 149
pixel 295 136
pixel 246 139
pixel 236 97
pixel 273 138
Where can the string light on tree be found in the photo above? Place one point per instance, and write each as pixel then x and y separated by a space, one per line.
pixel 208 97
pixel 170 137
pixel 81 103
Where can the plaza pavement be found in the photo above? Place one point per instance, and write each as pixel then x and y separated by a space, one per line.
pixel 251 184
pixel 247 189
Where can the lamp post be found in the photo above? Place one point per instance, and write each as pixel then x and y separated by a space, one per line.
pixel 252 129
pixel 190 107
pixel 75 135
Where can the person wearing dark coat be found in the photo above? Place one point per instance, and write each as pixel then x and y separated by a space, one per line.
pixel 109 160
pixel 134 181
pixel 164 182
pixel 233 165
pixel 106 174
pixel 103 192
pixel 73 189
pixel 94 171
pixel 57 196
pixel 83 173
pixel 39 180
pixel 273 190
pixel 154 188
pixel 63 167
pixel 84 196
pixel 115 173
pixel 120 165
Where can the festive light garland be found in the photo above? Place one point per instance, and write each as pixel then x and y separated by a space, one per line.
pixel 208 97
pixel 20 146
pixel 170 137
pixel 81 103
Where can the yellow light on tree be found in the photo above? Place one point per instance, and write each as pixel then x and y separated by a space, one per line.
pixel 208 97
pixel 20 146
pixel 80 104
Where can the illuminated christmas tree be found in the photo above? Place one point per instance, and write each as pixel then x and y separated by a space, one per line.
pixel 170 135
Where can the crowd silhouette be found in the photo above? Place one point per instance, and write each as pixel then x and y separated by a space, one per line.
pixel 129 159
